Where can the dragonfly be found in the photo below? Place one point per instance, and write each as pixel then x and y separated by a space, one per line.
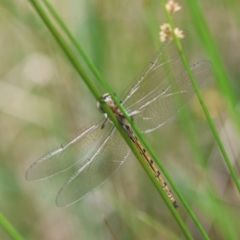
pixel 98 150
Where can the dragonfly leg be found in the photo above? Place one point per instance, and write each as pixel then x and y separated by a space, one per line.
pixel 105 122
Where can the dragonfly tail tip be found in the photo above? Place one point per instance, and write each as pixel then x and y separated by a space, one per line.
pixel 175 204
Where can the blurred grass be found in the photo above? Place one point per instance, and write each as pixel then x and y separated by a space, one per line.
pixel 41 105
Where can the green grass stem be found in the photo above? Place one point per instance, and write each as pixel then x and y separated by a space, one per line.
pixel 219 69
pixel 207 114
pixel 13 233
pixel 76 44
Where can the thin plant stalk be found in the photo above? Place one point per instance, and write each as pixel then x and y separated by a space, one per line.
pixel 75 43
pixel 208 117
pixel 222 78
pixel 13 233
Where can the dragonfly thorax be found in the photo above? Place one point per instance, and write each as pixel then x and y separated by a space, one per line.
pixel 108 100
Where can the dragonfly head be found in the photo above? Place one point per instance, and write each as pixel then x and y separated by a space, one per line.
pixel 106 98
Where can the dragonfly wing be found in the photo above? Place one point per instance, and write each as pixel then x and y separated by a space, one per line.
pixel 105 160
pixel 173 93
pixel 68 154
pixel 161 67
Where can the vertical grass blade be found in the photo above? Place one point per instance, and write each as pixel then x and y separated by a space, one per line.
pixel 75 44
pixel 221 76
pixel 209 119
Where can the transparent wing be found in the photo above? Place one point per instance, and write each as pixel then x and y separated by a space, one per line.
pixel 107 157
pixel 167 98
pixel 68 154
pixel 162 66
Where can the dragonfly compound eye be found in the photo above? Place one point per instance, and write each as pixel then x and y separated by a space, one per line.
pixel 107 97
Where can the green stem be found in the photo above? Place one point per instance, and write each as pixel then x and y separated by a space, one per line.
pixel 72 58
pixel 145 165
pixel 209 119
pixel 183 58
pixel 221 76
pixel 224 85
pixel 76 44
pixel 9 228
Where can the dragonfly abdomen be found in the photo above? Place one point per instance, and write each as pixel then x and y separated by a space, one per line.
pixel 152 165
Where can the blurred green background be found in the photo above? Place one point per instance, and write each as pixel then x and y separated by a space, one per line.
pixel 43 102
